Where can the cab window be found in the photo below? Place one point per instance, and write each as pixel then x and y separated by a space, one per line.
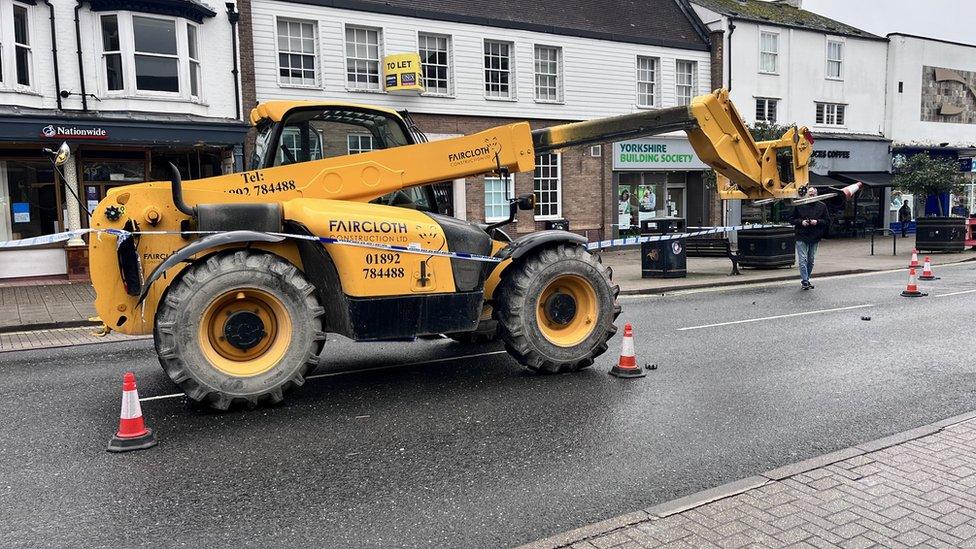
pixel 314 135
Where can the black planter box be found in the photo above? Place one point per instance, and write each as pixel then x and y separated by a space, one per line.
pixel 940 234
pixel 767 248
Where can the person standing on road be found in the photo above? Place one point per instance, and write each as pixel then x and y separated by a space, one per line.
pixel 811 222
pixel 904 218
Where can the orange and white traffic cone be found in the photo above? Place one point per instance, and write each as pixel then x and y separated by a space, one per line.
pixel 627 365
pixel 133 433
pixel 914 262
pixel 927 273
pixel 912 289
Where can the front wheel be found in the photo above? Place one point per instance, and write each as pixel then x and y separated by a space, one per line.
pixel 240 327
pixel 556 309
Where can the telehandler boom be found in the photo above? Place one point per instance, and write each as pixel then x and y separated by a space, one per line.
pixel 247 272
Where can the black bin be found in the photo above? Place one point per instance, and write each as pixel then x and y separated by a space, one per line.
pixel 940 234
pixel 663 258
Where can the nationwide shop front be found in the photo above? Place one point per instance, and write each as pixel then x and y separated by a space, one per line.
pixel 660 177
pixel 107 151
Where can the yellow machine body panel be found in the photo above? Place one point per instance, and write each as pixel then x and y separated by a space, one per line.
pixel 366 272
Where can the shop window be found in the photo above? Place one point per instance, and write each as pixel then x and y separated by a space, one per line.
pixel 648 74
pixel 547 186
pixel 640 196
pixel 112 53
pixel 435 59
pixel 830 114
pixel 498 70
pixel 835 59
pixel 766 110
pixel 362 58
pixel 31 198
pixel 769 52
pixel 296 52
pixel 497 193
pixel 548 74
pixel 22 45
pixel 686 81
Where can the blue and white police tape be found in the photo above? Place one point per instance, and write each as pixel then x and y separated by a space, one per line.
pixel 413 248
pixel 634 240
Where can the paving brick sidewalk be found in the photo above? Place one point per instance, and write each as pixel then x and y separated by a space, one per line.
pixel 45 305
pixel 60 337
pixel 913 489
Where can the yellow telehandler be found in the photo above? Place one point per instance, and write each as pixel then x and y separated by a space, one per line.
pixel 240 277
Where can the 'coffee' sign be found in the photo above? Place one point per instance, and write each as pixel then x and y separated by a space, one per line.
pixel 54 131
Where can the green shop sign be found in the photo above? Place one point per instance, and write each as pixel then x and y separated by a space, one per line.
pixel 656 154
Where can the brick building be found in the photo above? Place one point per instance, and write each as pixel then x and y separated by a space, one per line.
pixel 486 64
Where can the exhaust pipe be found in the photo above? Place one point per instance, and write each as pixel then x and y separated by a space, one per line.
pixel 176 184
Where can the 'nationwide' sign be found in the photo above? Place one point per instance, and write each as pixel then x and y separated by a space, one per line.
pixel 53 131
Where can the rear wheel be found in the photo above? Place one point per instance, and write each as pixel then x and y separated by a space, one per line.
pixel 240 327
pixel 556 309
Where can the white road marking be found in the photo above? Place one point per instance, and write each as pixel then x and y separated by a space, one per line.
pixel 955 293
pixel 334 374
pixel 821 311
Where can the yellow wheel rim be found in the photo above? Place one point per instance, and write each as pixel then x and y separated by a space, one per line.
pixel 567 310
pixel 245 332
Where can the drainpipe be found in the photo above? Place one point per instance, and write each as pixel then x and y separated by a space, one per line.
pixel 731 30
pixel 54 54
pixel 233 16
pixel 81 62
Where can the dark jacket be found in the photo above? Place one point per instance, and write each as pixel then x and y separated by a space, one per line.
pixel 904 214
pixel 811 233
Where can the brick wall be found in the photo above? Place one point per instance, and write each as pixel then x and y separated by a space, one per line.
pixel 585 179
pixel 249 98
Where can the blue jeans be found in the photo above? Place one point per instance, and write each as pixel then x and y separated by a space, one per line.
pixel 805 254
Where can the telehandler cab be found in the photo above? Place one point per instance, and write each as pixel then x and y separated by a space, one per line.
pixel 239 294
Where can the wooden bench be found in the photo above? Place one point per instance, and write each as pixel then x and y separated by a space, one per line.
pixel 712 246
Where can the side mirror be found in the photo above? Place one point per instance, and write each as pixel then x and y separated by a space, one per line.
pixel 526 201
pixel 64 152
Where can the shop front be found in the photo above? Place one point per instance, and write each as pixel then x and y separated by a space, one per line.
pixel 660 177
pixel 840 160
pixel 37 200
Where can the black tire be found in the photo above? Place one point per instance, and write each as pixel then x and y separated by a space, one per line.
pixel 180 344
pixel 521 292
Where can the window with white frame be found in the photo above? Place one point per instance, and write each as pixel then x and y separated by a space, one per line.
pixel 23 62
pixel 835 59
pixel 546 184
pixel 685 81
pixel 497 192
pixel 157 60
pixel 435 59
pixel 359 143
pixel 766 109
pixel 297 54
pixel 830 114
pixel 193 56
pixel 769 52
pixel 149 55
pixel 498 70
pixel 548 74
pixel 648 76
pixel 363 58
pixel 112 53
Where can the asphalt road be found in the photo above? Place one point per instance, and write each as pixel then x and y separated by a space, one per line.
pixel 444 449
